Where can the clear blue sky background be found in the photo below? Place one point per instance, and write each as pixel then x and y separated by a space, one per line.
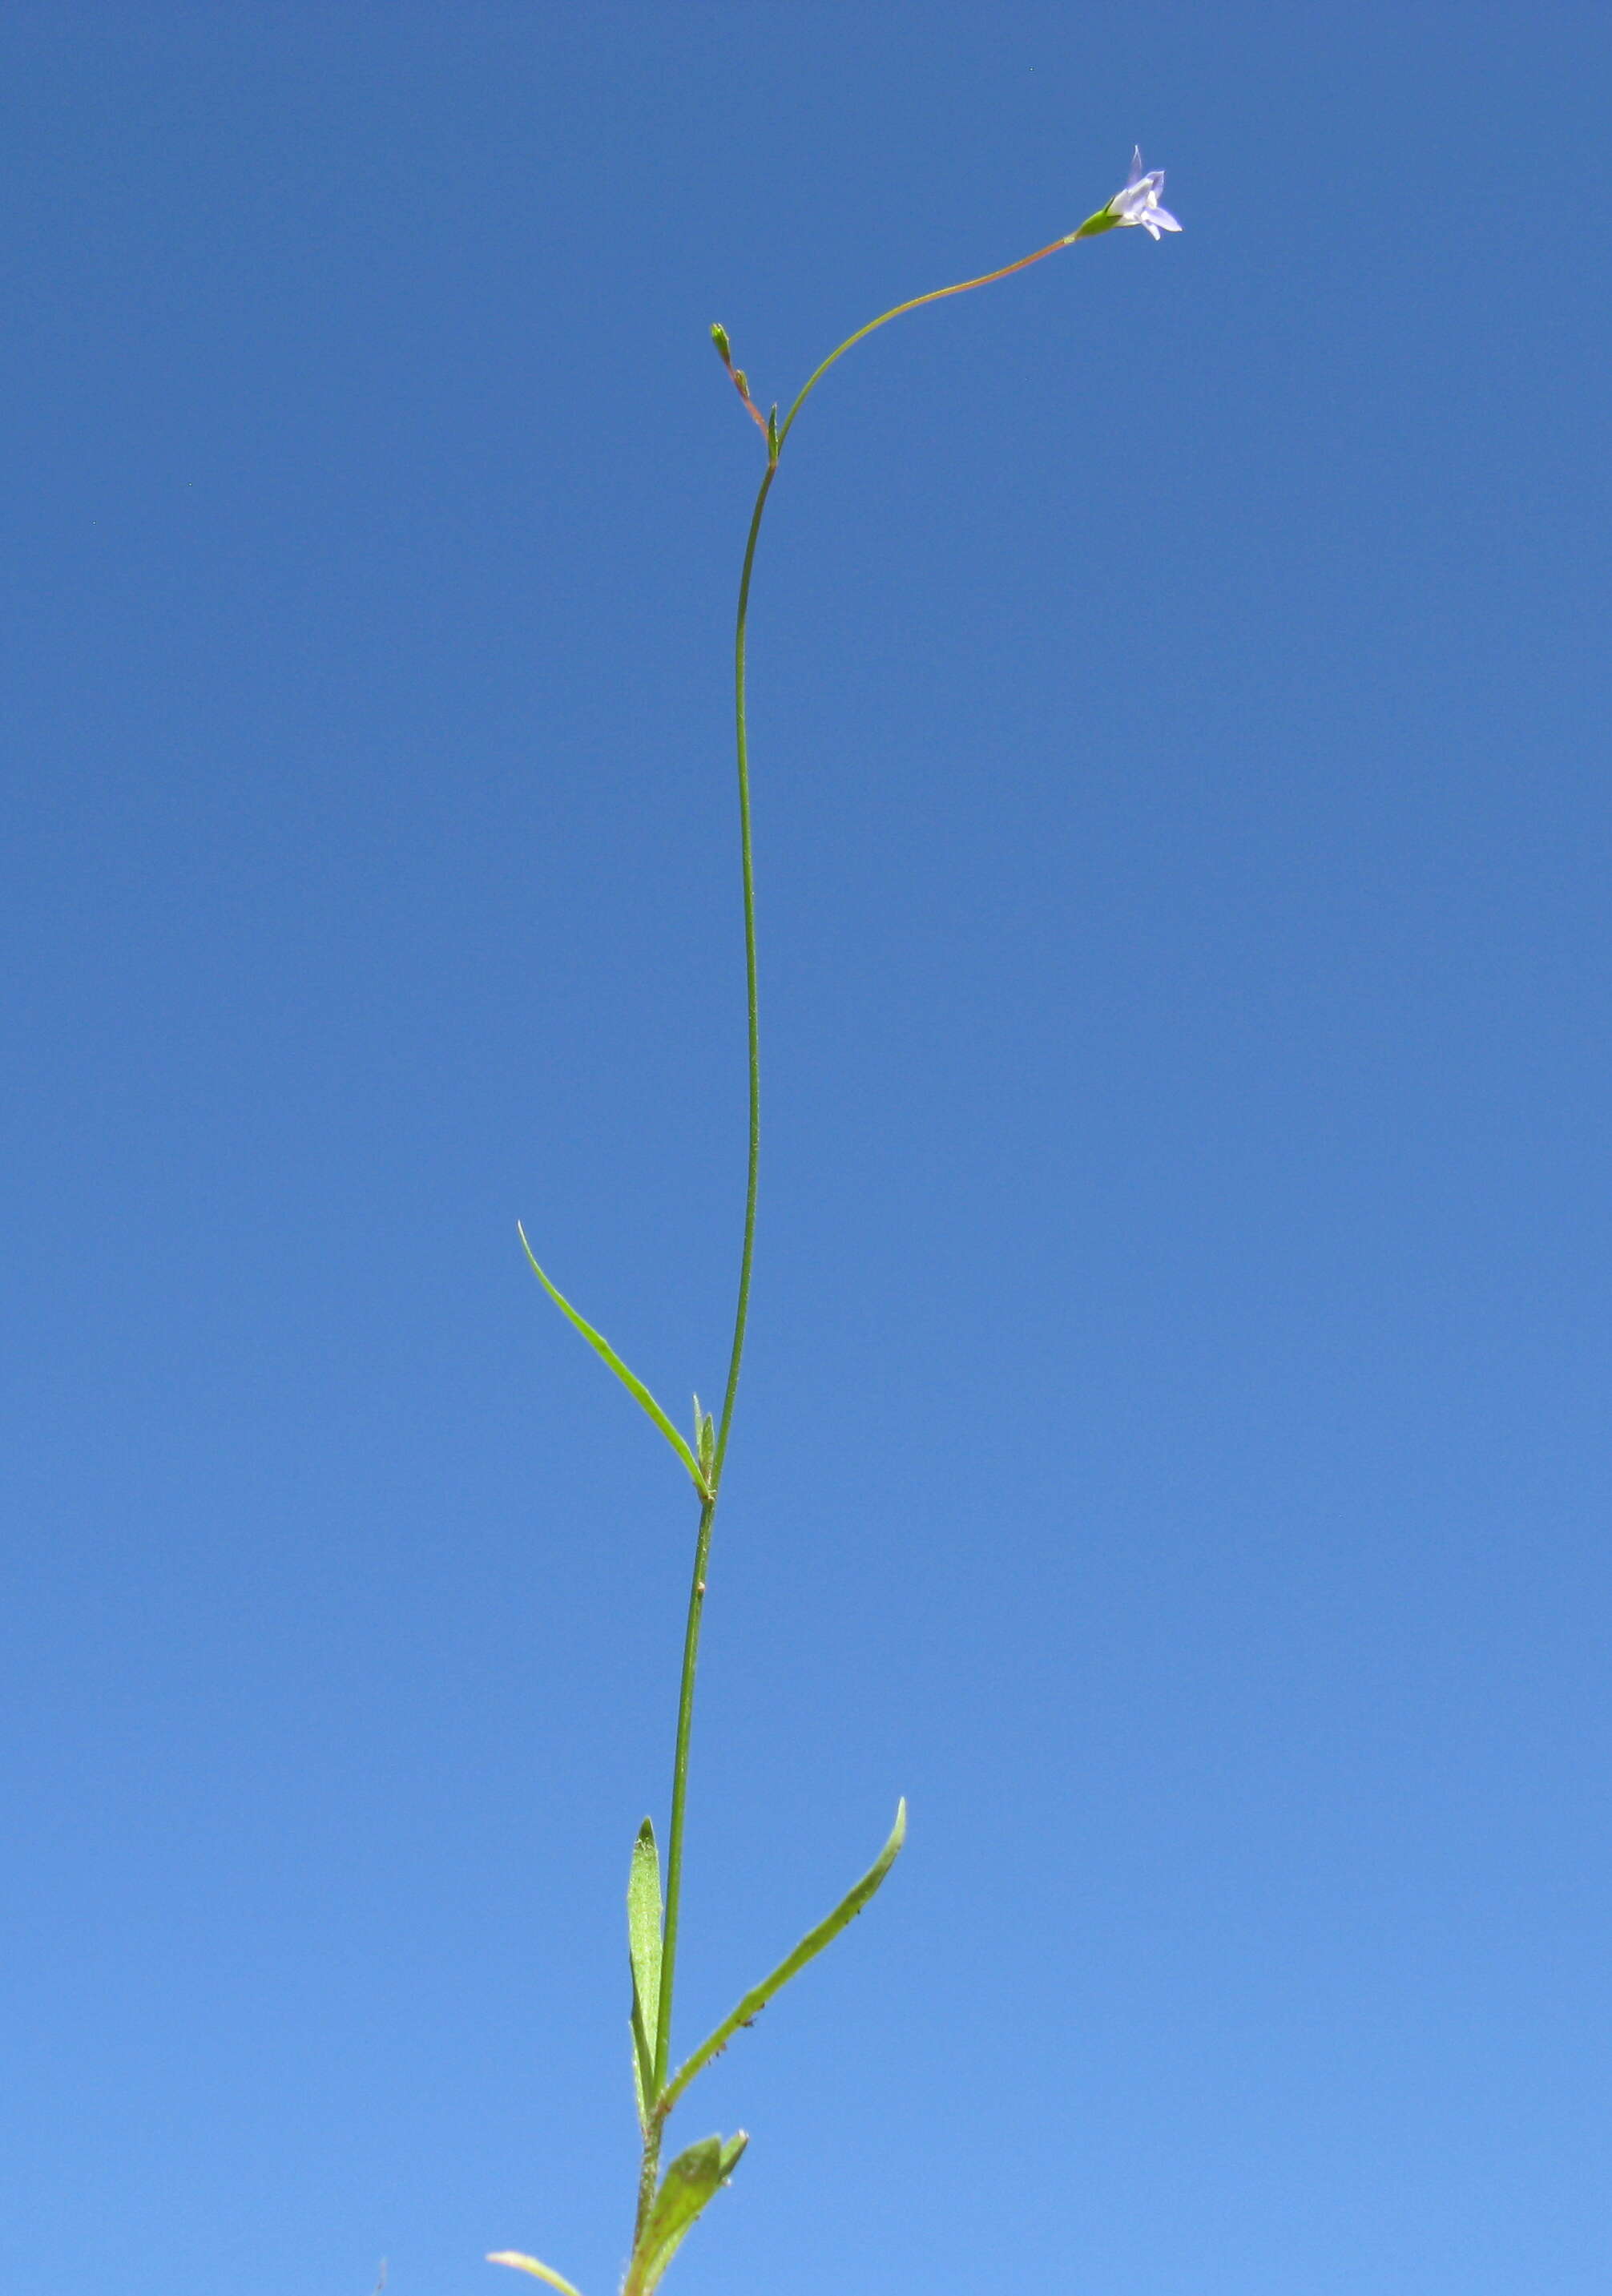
pixel 1174 1446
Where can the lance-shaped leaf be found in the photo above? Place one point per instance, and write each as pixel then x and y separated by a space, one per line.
pixel 809 1948
pixel 635 1386
pixel 538 2271
pixel 685 2188
pixel 643 1950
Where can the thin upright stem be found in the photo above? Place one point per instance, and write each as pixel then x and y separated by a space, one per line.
pixel 649 2176
pixel 747 854
pixel 680 1781
pixel 702 1545
pixel 707 1512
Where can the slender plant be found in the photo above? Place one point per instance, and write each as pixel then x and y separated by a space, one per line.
pixel 669 2199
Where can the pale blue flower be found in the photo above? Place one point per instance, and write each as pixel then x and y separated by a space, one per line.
pixel 1139 201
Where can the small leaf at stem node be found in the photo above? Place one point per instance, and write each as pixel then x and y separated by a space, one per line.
pixel 635 1386
pixel 808 1949
pixel 644 1922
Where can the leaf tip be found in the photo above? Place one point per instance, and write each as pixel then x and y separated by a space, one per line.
pixel 512 2256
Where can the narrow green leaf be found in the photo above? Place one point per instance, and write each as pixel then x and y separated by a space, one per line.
pixel 530 2264
pixel 633 1386
pixel 643 1950
pixel 809 1948
pixel 690 2182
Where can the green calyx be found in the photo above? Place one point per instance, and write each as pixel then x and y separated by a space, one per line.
pixel 1105 220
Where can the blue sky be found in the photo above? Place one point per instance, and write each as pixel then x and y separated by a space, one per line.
pixel 1173 1448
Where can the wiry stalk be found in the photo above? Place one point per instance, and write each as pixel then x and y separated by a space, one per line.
pixel 775 434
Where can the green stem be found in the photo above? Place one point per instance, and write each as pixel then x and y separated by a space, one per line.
pixel 742 1313
pixel 680 1781
pixel 649 2172
pixel 702 1547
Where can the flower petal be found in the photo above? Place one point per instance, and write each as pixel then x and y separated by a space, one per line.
pixel 1138 202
